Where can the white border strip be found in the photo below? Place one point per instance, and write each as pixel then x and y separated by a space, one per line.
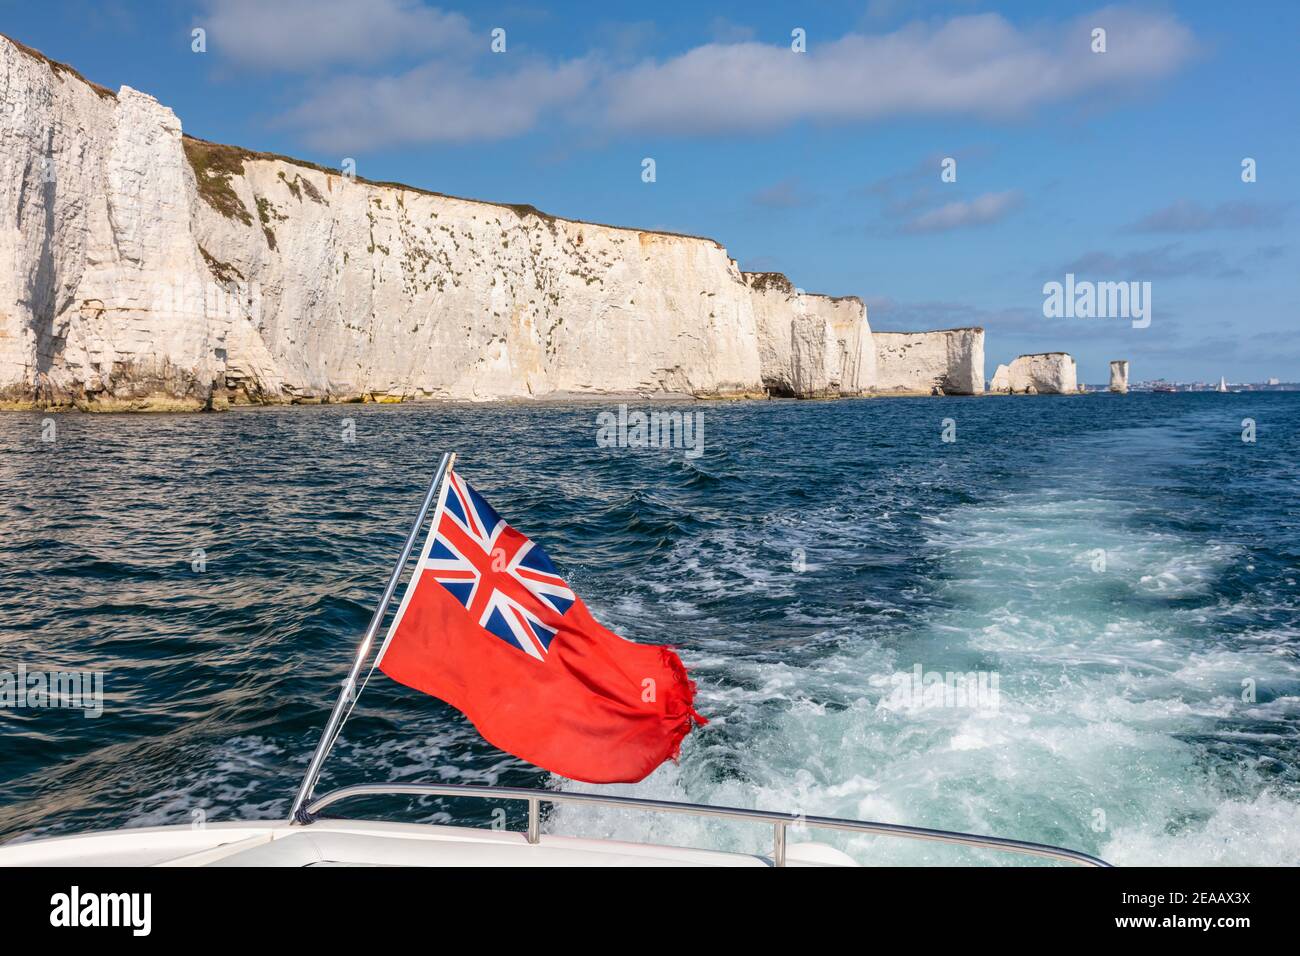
pixel 419 567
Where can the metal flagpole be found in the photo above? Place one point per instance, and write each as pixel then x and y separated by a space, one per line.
pixel 346 694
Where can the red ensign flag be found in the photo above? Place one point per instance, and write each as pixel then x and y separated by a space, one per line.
pixel 489 626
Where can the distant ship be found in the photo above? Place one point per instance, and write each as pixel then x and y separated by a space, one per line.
pixel 1222 386
pixel 1162 387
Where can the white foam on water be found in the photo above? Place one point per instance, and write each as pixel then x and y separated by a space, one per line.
pixel 1120 700
pixel 1260 832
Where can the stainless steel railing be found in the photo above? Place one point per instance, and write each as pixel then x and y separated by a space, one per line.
pixel 778 821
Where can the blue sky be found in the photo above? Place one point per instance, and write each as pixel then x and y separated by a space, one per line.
pixel 825 165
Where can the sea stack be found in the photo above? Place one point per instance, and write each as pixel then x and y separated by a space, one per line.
pixel 1001 384
pixel 1119 377
pixel 1046 373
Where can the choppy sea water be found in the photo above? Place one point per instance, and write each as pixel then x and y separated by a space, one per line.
pixel 1126 567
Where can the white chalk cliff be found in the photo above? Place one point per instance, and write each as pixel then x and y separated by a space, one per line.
pixel 140 268
pixel 810 346
pixel 948 362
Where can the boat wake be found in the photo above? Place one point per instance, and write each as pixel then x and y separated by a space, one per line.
pixel 1146 708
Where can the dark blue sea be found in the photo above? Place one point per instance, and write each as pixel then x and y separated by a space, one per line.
pixel 1125 567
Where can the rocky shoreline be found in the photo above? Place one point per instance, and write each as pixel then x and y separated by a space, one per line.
pixel 166 404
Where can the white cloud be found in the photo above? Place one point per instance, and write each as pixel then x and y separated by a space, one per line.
pixel 979 65
pixel 293 35
pixel 968 66
pixel 1185 215
pixel 987 208
pixel 1161 262
pixel 435 103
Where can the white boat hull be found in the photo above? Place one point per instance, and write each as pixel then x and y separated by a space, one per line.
pixel 363 843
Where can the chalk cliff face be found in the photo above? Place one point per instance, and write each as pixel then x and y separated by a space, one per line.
pixel 1001 383
pixel 950 361
pixel 95 213
pixel 140 268
pixel 377 290
pixel 1119 377
pixel 1047 373
pixel 810 346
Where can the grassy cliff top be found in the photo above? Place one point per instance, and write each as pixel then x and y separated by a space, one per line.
pixel 60 69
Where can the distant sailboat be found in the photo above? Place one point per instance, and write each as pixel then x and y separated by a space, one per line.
pixel 1222 386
